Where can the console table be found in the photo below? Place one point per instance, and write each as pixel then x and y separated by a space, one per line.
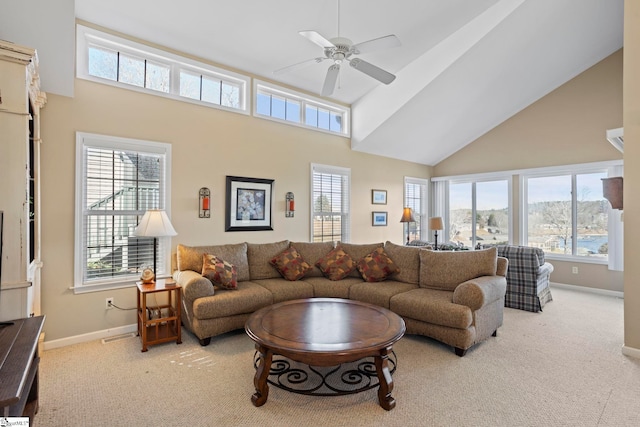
pixel 19 362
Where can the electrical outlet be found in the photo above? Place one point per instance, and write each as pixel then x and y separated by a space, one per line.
pixel 574 270
pixel 108 303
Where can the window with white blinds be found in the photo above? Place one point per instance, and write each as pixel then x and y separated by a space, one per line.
pixel 415 197
pixel 330 218
pixel 116 182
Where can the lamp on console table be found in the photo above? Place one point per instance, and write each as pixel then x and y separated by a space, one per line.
pixel 407 216
pixel 155 223
pixel 435 223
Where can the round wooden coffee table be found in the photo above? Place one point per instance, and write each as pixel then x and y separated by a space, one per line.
pixel 323 332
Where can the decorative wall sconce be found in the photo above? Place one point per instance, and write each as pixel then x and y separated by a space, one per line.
pixel 290 206
pixel 205 200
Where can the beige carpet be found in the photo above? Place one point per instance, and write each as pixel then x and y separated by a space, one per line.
pixel 562 367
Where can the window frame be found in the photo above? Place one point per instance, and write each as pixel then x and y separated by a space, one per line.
pixel 424 205
pixel 345 213
pixel 572 171
pixel 260 86
pixel 89 140
pixel 86 37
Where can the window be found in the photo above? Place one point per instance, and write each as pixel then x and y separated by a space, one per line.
pixel 108 59
pixel 567 215
pixel 116 182
pixel 292 107
pixel 330 187
pixel 415 197
pixel 479 212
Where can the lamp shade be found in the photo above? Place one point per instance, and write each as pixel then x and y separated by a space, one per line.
pixel 435 223
pixel 407 215
pixel 155 223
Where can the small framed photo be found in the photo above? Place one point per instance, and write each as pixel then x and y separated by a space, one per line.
pixel 379 197
pixel 379 219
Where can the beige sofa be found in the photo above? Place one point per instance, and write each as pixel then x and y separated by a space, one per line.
pixel 454 297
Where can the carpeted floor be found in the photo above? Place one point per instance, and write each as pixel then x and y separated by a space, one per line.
pixel 561 367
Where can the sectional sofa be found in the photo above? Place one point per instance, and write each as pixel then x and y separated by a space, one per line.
pixel 454 297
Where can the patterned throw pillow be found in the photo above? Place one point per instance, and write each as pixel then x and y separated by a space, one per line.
pixel 219 271
pixel 377 266
pixel 290 264
pixel 336 265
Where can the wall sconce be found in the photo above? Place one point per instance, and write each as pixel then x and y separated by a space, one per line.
pixel 290 206
pixel 205 200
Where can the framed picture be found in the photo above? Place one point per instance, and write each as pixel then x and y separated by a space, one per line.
pixel 379 219
pixel 379 197
pixel 248 204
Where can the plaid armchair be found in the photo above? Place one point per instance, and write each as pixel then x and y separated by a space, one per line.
pixel 527 277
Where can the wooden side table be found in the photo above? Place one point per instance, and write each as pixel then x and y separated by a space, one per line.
pixel 160 322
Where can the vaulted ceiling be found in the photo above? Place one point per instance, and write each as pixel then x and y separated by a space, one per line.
pixel 463 67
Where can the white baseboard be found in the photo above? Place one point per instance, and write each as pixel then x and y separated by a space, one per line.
pixel 598 291
pixel 106 333
pixel 631 352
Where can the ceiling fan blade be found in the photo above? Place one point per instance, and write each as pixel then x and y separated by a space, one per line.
pixel 330 80
pixel 299 65
pixel 373 71
pixel 316 38
pixel 384 42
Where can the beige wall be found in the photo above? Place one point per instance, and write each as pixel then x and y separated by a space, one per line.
pixel 632 175
pixel 567 126
pixel 207 145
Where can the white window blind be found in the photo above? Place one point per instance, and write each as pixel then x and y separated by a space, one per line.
pixel 118 180
pixel 330 217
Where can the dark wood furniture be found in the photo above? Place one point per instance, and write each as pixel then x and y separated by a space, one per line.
pixel 19 362
pixel 160 322
pixel 324 332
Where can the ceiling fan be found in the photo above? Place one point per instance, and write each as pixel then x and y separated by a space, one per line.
pixel 339 50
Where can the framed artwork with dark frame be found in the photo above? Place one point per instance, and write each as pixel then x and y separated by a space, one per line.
pixel 379 219
pixel 249 202
pixel 379 197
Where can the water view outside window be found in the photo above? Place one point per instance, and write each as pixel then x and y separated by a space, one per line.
pixel 490 224
pixel 567 222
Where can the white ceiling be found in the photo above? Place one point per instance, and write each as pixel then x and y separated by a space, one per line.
pixel 464 66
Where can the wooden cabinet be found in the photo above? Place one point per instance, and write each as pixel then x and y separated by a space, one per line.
pixel 20 102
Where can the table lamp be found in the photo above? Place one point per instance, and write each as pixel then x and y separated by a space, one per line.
pixel 155 223
pixel 407 216
pixel 435 223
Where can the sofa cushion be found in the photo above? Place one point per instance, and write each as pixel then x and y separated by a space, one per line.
pixel 259 255
pixel 285 290
pixel 248 298
pixel 219 271
pixel 190 257
pixel 376 266
pixel 377 293
pixel 445 270
pixel 290 264
pixel 336 265
pixel 407 258
pixel 325 288
pixel 312 252
pixel 358 251
pixel 432 306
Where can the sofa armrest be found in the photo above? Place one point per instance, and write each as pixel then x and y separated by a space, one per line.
pixel 194 285
pixel 502 266
pixel 478 292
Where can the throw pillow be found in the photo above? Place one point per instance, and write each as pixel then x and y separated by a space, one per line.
pixel 377 266
pixel 336 265
pixel 290 264
pixel 220 272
